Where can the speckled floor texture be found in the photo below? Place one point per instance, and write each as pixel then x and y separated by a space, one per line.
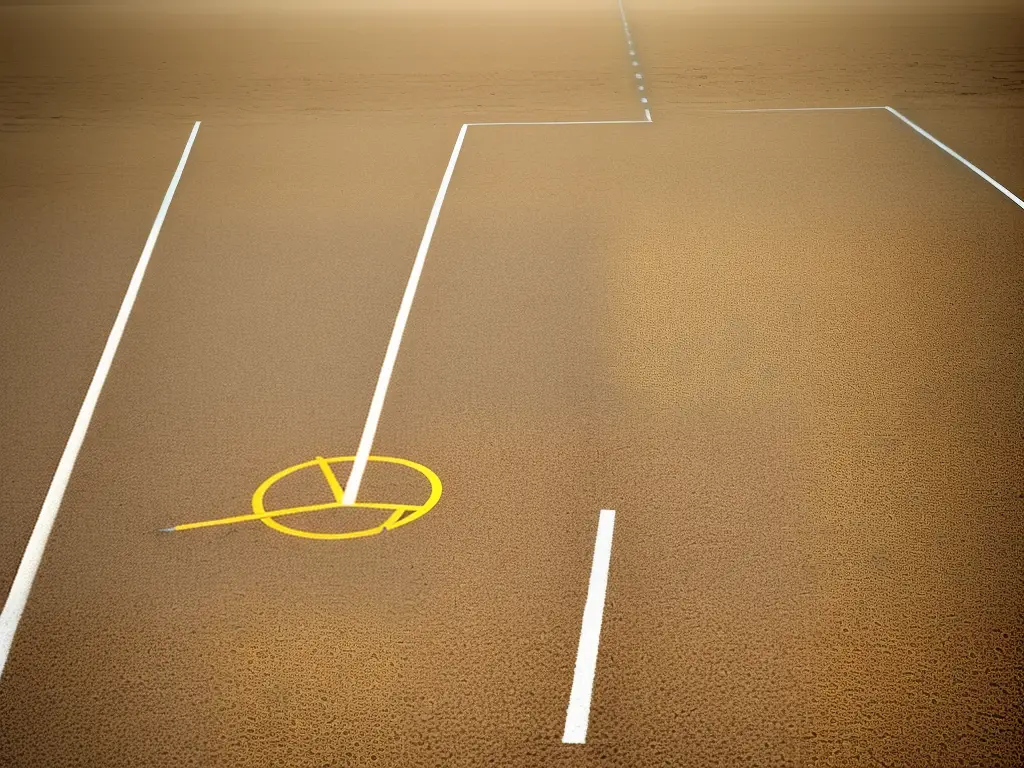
pixel 786 348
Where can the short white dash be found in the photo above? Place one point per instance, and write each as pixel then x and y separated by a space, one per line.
pixel 649 118
pixel 577 715
pixel 639 76
pixel 643 99
pixel 632 53
pixel 636 63
pixel 640 87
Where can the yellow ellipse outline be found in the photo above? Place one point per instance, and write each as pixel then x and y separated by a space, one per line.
pixel 397 519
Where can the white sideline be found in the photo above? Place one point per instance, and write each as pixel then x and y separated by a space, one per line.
pixel 562 122
pixel 802 109
pixel 959 157
pixel 355 477
pixel 30 560
pixel 577 714
pixel 631 46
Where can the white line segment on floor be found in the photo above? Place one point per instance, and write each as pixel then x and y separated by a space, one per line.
pixel 563 122
pixel 948 150
pixel 959 157
pixel 30 560
pixel 577 715
pixel 631 47
pixel 804 109
pixel 355 478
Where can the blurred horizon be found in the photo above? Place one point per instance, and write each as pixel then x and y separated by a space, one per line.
pixel 480 6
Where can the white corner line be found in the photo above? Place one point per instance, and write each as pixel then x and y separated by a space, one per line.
pixel 29 566
pixel 802 109
pixel 577 714
pixel 959 157
pixel 355 477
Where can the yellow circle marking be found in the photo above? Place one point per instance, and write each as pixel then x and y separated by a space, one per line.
pixel 401 514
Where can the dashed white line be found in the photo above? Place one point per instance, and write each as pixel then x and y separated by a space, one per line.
pixel 634 59
pixel 563 122
pixel 30 560
pixel 577 715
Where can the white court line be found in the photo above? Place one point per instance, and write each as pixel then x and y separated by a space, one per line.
pixel 959 157
pixel 387 368
pixel 355 478
pixel 565 122
pixel 948 150
pixel 631 47
pixel 577 715
pixel 802 109
pixel 22 584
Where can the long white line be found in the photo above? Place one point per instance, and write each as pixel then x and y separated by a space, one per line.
pixel 23 580
pixel 577 715
pixel 959 157
pixel 355 478
pixel 801 109
pixel 563 122
pixel 631 47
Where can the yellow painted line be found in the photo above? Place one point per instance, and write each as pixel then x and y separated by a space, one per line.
pixel 401 514
pixel 332 479
pixel 399 510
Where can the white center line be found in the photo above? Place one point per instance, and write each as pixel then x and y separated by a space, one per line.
pixel 30 560
pixel 577 715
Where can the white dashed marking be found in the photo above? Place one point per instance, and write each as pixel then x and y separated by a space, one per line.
pixel 631 47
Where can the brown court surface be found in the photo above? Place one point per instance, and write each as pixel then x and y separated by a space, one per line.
pixel 785 347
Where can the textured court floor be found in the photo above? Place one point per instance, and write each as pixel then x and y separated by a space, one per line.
pixel 784 347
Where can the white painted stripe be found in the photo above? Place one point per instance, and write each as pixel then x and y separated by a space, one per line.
pixel 649 118
pixel 622 15
pixel 355 478
pixel 29 567
pixel 577 715
pixel 566 122
pixel 959 157
pixel 803 109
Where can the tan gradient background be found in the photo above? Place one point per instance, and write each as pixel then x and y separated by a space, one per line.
pixel 785 348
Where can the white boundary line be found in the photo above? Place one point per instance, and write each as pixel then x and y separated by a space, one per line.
pixel 355 477
pixel 23 580
pixel 387 368
pixel 563 122
pixel 577 714
pixel 1016 200
pixel 899 116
